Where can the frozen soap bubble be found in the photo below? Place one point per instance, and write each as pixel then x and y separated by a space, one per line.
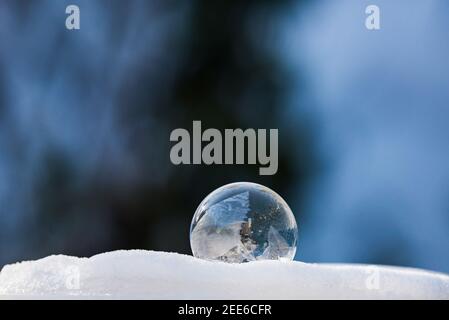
pixel 243 222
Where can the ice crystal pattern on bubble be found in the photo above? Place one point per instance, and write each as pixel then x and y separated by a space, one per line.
pixel 243 222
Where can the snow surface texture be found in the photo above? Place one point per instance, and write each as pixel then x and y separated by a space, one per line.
pixel 139 274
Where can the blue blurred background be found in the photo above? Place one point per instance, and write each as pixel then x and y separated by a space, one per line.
pixel 85 118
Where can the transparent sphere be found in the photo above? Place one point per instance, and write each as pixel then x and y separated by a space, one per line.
pixel 243 222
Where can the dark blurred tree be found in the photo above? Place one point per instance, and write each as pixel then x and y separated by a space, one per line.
pixel 224 77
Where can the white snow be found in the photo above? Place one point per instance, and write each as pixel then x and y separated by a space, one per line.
pixel 139 274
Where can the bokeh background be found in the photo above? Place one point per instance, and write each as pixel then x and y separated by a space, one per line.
pixel 363 118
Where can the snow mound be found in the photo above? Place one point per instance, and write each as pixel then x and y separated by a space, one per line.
pixel 139 274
